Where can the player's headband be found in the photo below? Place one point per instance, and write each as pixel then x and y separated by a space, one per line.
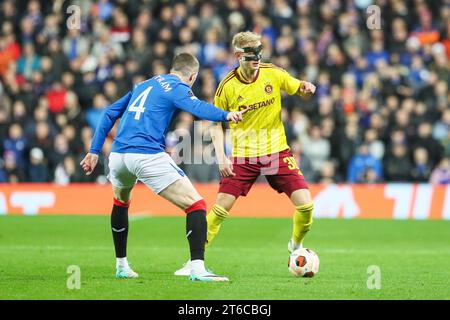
pixel 255 50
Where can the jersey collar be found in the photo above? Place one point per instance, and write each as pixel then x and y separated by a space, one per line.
pixel 240 77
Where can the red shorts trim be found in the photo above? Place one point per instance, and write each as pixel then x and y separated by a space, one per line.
pixel 280 170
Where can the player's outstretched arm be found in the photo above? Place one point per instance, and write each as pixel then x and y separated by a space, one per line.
pixel 292 85
pixel 187 101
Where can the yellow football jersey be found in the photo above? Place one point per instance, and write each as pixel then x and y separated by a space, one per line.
pixel 261 132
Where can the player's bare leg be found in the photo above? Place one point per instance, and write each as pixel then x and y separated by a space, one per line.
pixel 183 194
pixel 119 226
pixel 302 218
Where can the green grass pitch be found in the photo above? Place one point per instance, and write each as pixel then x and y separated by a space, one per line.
pixel 35 252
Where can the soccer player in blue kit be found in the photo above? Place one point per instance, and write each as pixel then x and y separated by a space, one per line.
pixel 138 153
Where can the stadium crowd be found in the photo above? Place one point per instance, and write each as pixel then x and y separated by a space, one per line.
pixel 380 114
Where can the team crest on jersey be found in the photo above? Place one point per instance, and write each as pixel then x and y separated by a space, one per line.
pixel 268 89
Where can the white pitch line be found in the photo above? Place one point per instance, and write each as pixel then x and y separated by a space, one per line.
pixel 138 218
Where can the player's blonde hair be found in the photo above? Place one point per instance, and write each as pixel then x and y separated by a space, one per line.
pixel 245 39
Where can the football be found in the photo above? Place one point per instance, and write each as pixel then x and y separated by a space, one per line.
pixel 303 262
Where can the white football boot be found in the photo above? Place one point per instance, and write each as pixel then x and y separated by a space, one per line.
pixel 185 270
pixel 125 273
pixel 206 276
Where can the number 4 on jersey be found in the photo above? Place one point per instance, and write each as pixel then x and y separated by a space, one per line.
pixel 141 100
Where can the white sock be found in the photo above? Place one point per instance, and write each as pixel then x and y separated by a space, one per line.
pixel 122 262
pixel 297 245
pixel 198 266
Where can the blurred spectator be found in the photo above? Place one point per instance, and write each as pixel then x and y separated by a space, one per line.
pixel 103 9
pixel 93 114
pixel 376 54
pixel 441 174
pixel 65 171
pixel 19 113
pixel 3 174
pixel 426 31
pixel 303 161
pixel 328 173
pixel 208 19
pixel 56 97
pixel 110 90
pixel 10 51
pixel 28 31
pixel 120 79
pixel 442 126
pixel 103 70
pixel 446 143
pixel 139 50
pixel 72 110
pixel 37 170
pixel 34 13
pixel 376 147
pixel 42 138
pixel 74 44
pixel 41 114
pixel 348 146
pixel 58 152
pixel 360 165
pixel 13 172
pixel 105 46
pixel 50 29
pixel 421 167
pixel 74 141
pixel 120 30
pixel 29 62
pixel 59 59
pixel 397 164
pixel 424 139
pixel 15 145
pixel 210 48
pixel 316 148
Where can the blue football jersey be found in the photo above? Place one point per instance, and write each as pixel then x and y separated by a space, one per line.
pixel 146 113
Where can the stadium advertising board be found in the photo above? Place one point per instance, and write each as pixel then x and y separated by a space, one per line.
pixel 386 201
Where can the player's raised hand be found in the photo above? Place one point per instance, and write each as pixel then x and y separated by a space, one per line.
pixel 306 89
pixel 89 162
pixel 226 168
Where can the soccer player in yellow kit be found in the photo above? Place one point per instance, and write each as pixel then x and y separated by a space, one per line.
pixel 259 141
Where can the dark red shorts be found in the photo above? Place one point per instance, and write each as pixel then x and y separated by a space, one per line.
pixel 280 170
